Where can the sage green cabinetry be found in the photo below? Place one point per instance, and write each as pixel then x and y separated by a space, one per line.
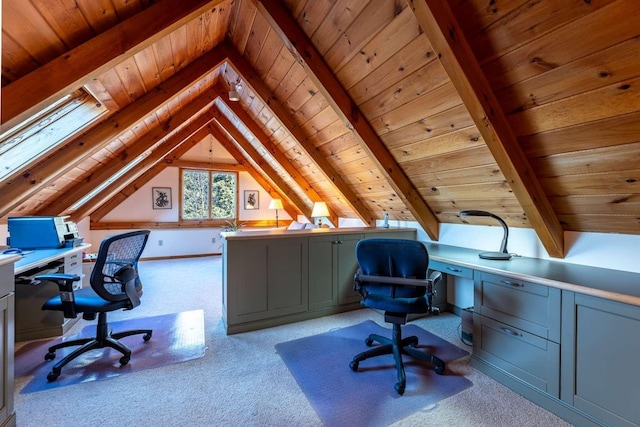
pixel 332 265
pixel 600 348
pixel 517 329
pixel 269 277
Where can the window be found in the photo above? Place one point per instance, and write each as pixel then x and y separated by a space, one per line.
pixel 47 129
pixel 208 195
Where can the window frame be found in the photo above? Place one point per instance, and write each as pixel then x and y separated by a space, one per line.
pixel 208 221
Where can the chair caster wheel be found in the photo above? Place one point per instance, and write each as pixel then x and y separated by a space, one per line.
pixel 124 360
pixel 368 342
pixel 354 366
pixel 399 388
pixel 439 369
pixel 52 376
pixel 146 337
pixel 50 356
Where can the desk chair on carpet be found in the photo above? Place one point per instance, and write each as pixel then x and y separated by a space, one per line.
pixel 392 276
pixel 115 285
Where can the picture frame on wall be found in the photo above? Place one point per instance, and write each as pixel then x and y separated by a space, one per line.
pixel 251 199
pixel 161 197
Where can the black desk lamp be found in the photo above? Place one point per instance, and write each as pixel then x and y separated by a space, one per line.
pixel 503 254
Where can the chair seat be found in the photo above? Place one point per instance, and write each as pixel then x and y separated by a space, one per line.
pixel 86 301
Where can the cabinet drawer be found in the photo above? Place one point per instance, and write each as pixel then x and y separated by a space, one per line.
pixel 73 264
pixel 528 306
pixel 452 269
pixel 528 357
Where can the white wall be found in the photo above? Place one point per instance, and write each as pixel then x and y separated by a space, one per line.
pixel 605 250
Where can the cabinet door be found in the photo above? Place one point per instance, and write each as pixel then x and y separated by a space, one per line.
pixel 323 272
pixel 600 348
pixel 287 276
pixel 347 267
pixel 6 356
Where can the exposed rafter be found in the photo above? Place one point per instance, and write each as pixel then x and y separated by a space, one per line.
pixel 307 55
pixel 293 172
pixel 144 145
pixel 262 163
pixel 446 37
pixel 75 68
pixel 117 192
pixel 23 183
pixel 251 78
pixel 230 145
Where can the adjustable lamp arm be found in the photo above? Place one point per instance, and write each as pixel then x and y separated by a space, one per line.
pixel 503 245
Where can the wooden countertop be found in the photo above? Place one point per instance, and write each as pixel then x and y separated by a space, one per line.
pixel 283 232
pixel 616 285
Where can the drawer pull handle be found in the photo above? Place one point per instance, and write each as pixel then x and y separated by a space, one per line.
pixel 514 284
pixel 509 331
pixel 455 270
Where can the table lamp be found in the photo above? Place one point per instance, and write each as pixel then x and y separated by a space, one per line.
pixel 276 204
pixel 320 210
pixel 502 255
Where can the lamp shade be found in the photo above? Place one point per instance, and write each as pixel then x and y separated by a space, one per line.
pixel 275 204
pixel 320 209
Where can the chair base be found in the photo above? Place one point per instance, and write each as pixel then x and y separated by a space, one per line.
pixel 397 346
pixel 104 338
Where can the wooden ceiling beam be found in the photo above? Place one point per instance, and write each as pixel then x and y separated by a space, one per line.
pixel 252 79
pixel 278 155
pixel 447 39
pixel 24 183
pixel 159 159
pixel 328 84
pixel 229 144
pixel 70 71
pixel 145 144
pixel 285 189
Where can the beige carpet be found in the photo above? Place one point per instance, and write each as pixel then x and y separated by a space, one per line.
pixel 241 380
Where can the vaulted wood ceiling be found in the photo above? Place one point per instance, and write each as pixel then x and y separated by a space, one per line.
pixel 418 108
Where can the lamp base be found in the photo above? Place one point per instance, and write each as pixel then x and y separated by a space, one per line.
pixel 499 256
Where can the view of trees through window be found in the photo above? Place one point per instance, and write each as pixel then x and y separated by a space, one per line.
pixel 208 194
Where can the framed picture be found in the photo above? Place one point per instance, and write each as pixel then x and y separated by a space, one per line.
pixel 251 199
pixel 161 197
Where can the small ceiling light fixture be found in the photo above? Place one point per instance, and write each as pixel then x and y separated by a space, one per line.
pixel 234 94
pixel 502 255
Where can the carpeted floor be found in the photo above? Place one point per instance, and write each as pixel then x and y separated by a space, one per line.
pixel 176 338
pixel 241 379
pixel 320 365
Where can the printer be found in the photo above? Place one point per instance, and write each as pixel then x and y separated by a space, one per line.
pixel 42 232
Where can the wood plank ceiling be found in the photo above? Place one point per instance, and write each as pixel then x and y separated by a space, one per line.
pixel 418 108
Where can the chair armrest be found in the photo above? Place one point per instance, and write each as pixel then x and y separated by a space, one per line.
pixel 64 281
pixel 67 297
pixel 392 280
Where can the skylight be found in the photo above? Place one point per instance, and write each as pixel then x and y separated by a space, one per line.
pixel 46 130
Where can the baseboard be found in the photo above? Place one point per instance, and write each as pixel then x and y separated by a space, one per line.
pixel 158 258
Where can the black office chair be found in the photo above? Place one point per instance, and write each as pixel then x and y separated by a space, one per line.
pixel 115 285
pixel 392 276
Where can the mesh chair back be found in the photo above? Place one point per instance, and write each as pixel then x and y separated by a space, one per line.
pixel 393 258
pixel 116 252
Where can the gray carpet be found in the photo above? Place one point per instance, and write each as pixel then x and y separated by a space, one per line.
pixel 320 365
pixel 176 338
pixel 241 380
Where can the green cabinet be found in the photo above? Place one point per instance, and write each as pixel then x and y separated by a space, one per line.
pixel 265 279
pixel 516 329
pixel 600 348
pixel 332 265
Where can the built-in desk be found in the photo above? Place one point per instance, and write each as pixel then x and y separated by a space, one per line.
pixel 282 276
pixel 563 335
pixel 31 322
